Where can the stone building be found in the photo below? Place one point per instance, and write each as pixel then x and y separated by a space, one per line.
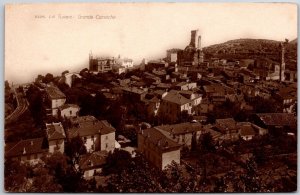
pixel 192 55
pixel 97 135
pixel 157 148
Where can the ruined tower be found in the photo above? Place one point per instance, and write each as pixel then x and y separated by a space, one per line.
pixel 282 64
pixel 194 35
pixel 199 43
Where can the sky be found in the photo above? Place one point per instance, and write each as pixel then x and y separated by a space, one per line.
pixel 42 38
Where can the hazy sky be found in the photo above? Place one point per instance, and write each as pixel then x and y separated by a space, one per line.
pixel 36 45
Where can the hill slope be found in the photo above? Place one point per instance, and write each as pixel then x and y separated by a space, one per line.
pixel 253 48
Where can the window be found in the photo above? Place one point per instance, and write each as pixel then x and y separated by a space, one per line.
pixel 84 138
pixel 106 145
pixel 70 112
pixel 106 137
pixel 93 137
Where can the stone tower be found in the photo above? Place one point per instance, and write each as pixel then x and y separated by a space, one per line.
pixel 282 64
pixel 194 36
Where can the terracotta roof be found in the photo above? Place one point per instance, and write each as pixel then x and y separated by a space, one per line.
pixel 278 119
pixel 55 131
pixel 65 106
pixel 93 160
pixel 246 129
pixel 134 90
pixel 54 93
pixel 181 128
pixel 226 124
pixel 159 140
pixel 25 147
pixel 89 125
pixel 176 98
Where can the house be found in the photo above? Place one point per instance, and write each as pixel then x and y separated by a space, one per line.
pixel 119 69
pixel 155 64
pixel 124 62
pixel 266 69
pixel 185 86
pixel 54 99
pixel 56 137
pixel 151 105
pixel 172 55
pixel 287 97
pixel 68 110
pixel 101 64
pixel 215 92
pixel 69 78
pixel 92 163
pixel 228 127
pixel 246 130
pixel 182 133
pixel 175 102
pixel 134 94
pixel 277 123
pixel 97 135
pixel 29 150
pixel 157 148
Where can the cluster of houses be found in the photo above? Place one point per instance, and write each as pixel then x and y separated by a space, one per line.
pixel 183 84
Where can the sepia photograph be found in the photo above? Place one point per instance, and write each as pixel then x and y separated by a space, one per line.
pixel 150 97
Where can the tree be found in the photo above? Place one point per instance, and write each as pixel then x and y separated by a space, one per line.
pixel 139 177
pixel 74 149
pixel 7 87
pixel 48 78
pixel 14 176
pixel 57 165
pixel 43 181
pixel 117 161
pixel 206 143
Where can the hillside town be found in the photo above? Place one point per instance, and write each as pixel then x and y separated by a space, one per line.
pixel 197 120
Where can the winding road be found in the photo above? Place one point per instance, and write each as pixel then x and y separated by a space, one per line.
pixel 22 106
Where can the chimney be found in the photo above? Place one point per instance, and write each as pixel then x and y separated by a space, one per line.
pixel 24 151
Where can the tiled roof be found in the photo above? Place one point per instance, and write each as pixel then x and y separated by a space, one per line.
pixel 93 160
pixel 54 93
pixel 226 124
pixel 176 98
pixel 55 131
pixel 134 90
pixel 164 85
pixel 246 129
pixel 65 106
pixel 89 125
pixel 182 84
pixel 25 147
pixel 181 128
pixel 280 119
pixel 159 140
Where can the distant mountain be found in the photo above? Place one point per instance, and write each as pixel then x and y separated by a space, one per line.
pixel 252 48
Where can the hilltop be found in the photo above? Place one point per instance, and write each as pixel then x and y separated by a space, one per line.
pixel 253 48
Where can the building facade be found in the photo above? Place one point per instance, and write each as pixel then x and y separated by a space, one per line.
pixel 158 149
